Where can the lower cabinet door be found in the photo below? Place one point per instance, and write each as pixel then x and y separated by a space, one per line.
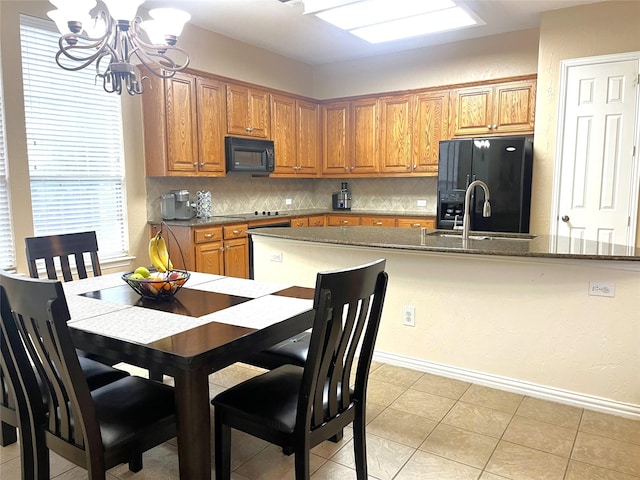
pixel 236 255
pixel 210 258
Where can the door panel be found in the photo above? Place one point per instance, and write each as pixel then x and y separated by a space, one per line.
pixel 596 185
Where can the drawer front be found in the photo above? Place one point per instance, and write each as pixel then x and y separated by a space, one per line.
pixel 416 223
pixel 342 220
pixel 235 231
pixel 300 222
pixel 209 234
pixel 378 222
pixel 317 221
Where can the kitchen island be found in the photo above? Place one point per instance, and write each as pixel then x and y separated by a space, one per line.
pixel 503 312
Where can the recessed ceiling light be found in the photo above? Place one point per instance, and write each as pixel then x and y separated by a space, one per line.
pixel 378 21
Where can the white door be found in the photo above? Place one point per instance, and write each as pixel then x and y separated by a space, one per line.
pixel 598 187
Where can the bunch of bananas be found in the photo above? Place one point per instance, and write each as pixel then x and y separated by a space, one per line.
pixel 158 254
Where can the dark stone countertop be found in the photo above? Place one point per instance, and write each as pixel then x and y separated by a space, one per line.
pixel 284 214
pixel 428 240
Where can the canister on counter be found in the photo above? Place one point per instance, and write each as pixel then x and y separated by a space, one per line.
pixel 203 204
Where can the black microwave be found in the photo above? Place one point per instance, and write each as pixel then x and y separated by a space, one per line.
pixel 249 155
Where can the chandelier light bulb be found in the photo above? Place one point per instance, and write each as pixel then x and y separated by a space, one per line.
pixel 112 41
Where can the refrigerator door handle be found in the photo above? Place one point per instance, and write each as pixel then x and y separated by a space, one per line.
pixel 467 184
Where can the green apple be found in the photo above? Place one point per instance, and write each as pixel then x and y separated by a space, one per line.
pixel 142 271
pixel 136 276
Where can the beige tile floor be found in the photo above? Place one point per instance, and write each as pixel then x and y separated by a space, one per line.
pixel 422 426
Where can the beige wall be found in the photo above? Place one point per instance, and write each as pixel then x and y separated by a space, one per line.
pixel 499 56
pixel 597 29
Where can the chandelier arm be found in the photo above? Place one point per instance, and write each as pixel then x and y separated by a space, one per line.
pixel 156 63
pixel 87 60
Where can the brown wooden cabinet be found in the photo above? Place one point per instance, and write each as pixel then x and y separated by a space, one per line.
pixel 295 132
pixel 311 221
pixel 184 126
pixel 336 152
pixel 377 221
pixel 248 111
pixel 430 126
pixel 342 220
pixel 221 250
pixel 396 125
pixel 407 222
pixel 501 108
pixel 350 136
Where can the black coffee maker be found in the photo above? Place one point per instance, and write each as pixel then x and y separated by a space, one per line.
pixel 341 200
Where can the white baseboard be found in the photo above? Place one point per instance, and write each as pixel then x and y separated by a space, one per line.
pixel 514 385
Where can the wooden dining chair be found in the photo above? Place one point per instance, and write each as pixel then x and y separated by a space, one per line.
pixel 93 429
pixel 300 407
pixel 64 248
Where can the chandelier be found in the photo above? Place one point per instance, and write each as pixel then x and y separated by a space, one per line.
pixel 113 38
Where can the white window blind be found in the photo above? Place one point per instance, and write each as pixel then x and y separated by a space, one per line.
pixel 74 144
pixel 7 249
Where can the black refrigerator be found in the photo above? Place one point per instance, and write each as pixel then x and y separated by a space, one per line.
pixel 504 164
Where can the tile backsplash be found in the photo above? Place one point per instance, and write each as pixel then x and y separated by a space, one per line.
pixel 243 193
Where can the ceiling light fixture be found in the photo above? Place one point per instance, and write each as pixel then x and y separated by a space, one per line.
pixel 113 38
pixel 378 21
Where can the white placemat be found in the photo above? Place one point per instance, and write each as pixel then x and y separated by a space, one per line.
pixel 196 278
pixel 241 287
pixel 93 283
pixel 261 312
pixel 140 325
pixel 84 307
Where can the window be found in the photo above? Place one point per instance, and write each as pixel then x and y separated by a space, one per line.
pixel 7 250
pixel 74 144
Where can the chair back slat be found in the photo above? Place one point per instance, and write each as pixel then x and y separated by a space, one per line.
pixel 40 313
pixel 346 319
pixel 63 247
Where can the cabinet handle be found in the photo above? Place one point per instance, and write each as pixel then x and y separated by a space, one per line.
pixel 352 168
pixel 415 166
pixel 495 125
pixel 346 168
pixel 489 127
pixel 377 223
pixel 345 222
pixel 202 164
pixel 209 235
pixel 249 129
pixel 416 224
pixel 195 164
pixel 222 249
pixel 236 232
pixel 299 224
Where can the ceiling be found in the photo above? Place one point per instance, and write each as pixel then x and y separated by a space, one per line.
pixel 282 28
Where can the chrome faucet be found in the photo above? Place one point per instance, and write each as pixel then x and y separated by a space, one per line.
pixel 486 209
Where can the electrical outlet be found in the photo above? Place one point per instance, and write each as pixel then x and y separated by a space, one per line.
pixel 422 203
pixel 602 289
pixel 408 316
pixel 287 201
pixel 276 257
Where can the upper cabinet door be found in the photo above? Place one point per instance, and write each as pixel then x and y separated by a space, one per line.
pixel 473 110
pixel 247 111
pixel 283 124
pixel 308 131
pixel 181 120
pixel 514 107
pixel 431 125
pixel 365 136
pixel 211 125
pixel 335 137
pixel 396 125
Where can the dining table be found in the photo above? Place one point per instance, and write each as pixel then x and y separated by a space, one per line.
pixel 212 322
